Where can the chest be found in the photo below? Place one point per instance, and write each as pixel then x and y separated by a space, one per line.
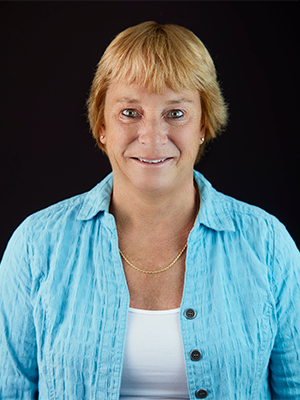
pixel 158 291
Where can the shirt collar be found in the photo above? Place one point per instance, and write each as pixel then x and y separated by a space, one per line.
pixel 97 199
pixel 213 212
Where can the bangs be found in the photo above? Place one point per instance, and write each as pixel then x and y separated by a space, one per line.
pixel 156 60
pixel 154 71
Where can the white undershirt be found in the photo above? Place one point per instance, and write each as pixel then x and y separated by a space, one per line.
pixel 154 365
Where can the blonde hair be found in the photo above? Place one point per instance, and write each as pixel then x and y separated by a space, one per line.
pixel 156 55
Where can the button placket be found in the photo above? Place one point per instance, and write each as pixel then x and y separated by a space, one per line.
pixel 195 355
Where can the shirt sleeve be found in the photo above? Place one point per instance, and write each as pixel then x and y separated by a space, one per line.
pixel 285 357
pixel 18 348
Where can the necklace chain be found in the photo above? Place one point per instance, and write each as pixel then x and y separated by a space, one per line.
pixel 154 272
pixel 174 261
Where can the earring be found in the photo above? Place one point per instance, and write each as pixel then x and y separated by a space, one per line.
pixel 101 137
pixel 202 139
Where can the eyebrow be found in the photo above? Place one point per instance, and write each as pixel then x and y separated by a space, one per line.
pixel 127 100
pixel 181 100
pixel 131 100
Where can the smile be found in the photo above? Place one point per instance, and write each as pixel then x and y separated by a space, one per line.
pixel 152 161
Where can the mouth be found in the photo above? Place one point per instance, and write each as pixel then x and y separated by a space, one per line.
pixel 157 161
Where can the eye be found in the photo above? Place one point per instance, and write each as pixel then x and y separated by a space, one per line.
pixel 129 112
pixel 176 113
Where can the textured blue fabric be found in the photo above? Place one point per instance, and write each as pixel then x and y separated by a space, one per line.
pixel 64 303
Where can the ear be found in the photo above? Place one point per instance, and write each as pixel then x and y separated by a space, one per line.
pixel 202 133
pixel 102 136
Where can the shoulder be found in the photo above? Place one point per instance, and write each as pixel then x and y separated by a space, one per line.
pixel 262 230
pixel 256 222
pixel 77 208
pixel 247 216
pixel 222 212
pixel 52 217
pixel 250 226
pixel 64 218
pixel 222 206
pixel 39 233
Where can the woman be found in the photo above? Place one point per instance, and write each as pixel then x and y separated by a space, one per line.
pixel 152 285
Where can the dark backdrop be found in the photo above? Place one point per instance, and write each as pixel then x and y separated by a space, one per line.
pixel 49 51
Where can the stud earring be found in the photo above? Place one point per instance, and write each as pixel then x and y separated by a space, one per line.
pixel 202 139
pixel 101 137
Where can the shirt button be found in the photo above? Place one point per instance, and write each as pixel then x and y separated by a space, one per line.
pixel 201 394
pixel 195 355
pixel 189 313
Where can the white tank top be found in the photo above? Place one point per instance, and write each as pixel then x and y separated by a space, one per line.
pixel 154 365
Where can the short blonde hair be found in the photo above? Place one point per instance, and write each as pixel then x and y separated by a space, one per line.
pixel 156 55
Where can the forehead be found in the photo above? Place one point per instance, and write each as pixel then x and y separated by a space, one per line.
pixel 121 92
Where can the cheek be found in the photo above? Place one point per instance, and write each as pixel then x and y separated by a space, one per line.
pixel 119 137
pixel 188 141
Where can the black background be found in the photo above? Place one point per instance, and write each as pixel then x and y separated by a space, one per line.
pixel 49 52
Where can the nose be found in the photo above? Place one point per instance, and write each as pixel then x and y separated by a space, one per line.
pixel 153 133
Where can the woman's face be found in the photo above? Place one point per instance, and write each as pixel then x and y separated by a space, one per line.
pixel 151 140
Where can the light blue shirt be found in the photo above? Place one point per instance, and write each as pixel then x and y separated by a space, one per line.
pixel 64 303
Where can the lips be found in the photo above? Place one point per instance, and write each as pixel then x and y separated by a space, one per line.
pixel 157 161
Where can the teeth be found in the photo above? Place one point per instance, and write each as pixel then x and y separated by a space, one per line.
pixel 152 161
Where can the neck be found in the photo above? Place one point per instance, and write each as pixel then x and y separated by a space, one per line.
pixel 155 213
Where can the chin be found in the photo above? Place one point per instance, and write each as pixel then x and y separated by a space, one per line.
pixel 152 184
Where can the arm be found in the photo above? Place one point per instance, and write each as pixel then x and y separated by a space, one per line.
pixel 18 365
pixel 285 357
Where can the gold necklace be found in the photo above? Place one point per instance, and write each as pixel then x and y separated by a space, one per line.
pixel 174 261
pixel 154 272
